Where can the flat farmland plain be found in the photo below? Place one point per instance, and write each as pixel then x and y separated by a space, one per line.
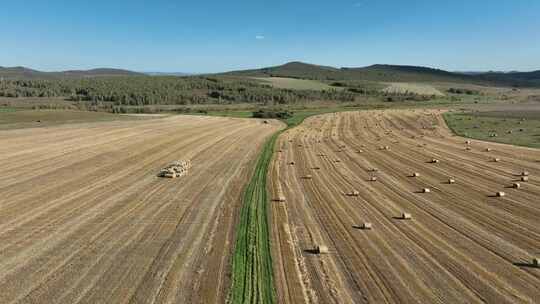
pixel 463 244
pixel 85 219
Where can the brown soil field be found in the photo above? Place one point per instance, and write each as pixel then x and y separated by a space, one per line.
pixel 462 245
pixel 85 219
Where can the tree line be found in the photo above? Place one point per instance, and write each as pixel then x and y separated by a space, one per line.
pixel 144 91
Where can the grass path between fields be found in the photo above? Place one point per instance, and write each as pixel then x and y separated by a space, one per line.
pixel 252 273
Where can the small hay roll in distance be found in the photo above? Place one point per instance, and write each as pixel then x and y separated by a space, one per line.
pixel 488 149
pixel 366 226
pixel 524 178
pixel 308 176
pixel 415 174
pixel 525 173
pixel 496 160
pixel 435 161
pixel 320 249
pixel 468 148
pixel 406 216
pixel 468 142
pixel 516 185
pixel 373 179
pixel 353 193
pixel 280 199
pixel 451 181
pixel 500 194
pixel 426 190
pixel 291 163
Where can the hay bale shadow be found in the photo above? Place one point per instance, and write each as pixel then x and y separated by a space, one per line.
pixel 526 265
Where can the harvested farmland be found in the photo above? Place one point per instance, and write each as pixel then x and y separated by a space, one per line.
pixel 84 216
pixel 412 88
pixel 461 242
pixel 295 84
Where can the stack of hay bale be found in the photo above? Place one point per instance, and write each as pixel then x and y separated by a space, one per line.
pixel 176 169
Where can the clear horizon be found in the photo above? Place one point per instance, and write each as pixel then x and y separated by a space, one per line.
pixel 207 37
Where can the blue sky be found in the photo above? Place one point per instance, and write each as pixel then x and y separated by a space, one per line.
pixel 212 36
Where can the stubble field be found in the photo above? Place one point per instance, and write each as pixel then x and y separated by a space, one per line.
pixel 462 245
pixel 85 219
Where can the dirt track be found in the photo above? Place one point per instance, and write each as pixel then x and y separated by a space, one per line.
pixel 84 219
pixel 463 245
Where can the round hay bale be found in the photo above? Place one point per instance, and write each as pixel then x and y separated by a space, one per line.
pixel 406 216
pixel 320 249
pixel 415 174
pixel 373 179
pixel 292 163
pixel 353 193
pixel 308 176
pixel 516 185
pixel 451 181
pixel 280 199
pixel 500 194
pixel 488 149
pixel 524 178
pixel 435 161
pixel 496 160
pixel 366 226
pixel 426 190
pixel 468 142
pixel 525 173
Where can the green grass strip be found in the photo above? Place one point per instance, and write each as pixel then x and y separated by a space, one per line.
pixel 252 280
pixel 252 272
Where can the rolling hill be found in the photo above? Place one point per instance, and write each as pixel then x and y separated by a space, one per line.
pixel 26 73
pixel 391 73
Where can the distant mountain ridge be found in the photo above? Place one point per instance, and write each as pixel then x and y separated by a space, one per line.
pixel 26 73
pixel 391 73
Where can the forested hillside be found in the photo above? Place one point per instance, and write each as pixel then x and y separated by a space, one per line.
pixel 392 73
pixel 146 90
